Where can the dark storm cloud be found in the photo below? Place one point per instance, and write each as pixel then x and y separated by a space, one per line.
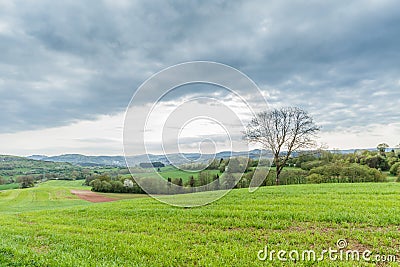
pixel 65 61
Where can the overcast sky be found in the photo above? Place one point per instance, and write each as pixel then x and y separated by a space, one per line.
pixel 68 69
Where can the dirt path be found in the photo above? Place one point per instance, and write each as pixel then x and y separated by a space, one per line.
pixel 91 196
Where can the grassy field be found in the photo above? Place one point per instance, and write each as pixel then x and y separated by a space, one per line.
pixel 9 186
pixel 172 172
pixel 49 195
pixel 47 226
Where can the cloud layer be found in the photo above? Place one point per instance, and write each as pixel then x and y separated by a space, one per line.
pixel 66 61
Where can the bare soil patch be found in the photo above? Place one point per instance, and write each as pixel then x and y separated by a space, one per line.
pixel 91 196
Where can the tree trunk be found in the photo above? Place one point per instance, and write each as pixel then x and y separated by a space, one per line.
pixel 278 172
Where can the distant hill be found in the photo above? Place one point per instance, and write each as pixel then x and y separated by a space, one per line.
pixel 37 157
pixel 87 161
pixel 83 160
pixel 13 166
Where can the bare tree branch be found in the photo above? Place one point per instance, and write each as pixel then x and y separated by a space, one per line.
pixel 285 129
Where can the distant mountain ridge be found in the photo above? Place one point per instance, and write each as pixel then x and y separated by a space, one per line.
pixel 83 160
pixel 176 158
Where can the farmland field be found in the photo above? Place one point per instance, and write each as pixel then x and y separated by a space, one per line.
pixel 172 172
pixel 48 226
pixel 9 186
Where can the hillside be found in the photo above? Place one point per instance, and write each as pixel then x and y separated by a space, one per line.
pixel 83 160
pixel 13 166
pixel 176 158
pixel 51 227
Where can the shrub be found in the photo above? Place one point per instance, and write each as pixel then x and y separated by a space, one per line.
pixel 377 162
pixel 394 169
pixel 106 186
pixel 392 160
pixel 308 165
pixel 26 181
pixel 230 180
pixel 117 187
pixel 222 167
pixel 268 177
pixel 304 157
pixel 293 177
pixel 398 175
pixel 153 185
pixel 315 178
pixel 101 186
pixel 346 173
pixel 260 175
pixel 204 178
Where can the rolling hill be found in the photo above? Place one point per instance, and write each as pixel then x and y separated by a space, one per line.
pixel 48 226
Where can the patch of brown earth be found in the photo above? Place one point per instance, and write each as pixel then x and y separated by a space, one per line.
pixel 91 196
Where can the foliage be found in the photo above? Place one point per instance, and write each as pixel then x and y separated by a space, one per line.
pixel 315 178
pixel 194 166
pixel 192 181
pixel 204 178
pixel 308 165
pixel 230 180
pixel 214 164
pixel 316 167
pixel 237 165
pixel 344 173
pixel 377 162
pixel 302 158
pixel 395 168
pixel 13 167
pixel 382 148
pixel 103 183
pixel 156 164
pixel 26 181
pixel 290 176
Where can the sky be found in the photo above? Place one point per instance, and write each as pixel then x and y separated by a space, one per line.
pixel 69 69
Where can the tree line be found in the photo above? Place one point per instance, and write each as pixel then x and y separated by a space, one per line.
pixel 284 131
pixel 317 166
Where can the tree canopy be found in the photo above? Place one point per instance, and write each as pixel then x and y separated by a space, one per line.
pixel 282 131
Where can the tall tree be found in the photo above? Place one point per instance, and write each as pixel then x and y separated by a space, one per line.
pixel 282 130
pixel 382 148
pixel 216 181
pixel 192 182
pixel 169 184
pixel 26 181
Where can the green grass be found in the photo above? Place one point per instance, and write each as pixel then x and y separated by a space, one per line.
pixel 9 186
pixel 172 172
pixel 49 195
pixel 229 232
pixel 390 177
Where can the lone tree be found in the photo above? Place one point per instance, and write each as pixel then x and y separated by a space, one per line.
pixel 382 148
pixel 286 129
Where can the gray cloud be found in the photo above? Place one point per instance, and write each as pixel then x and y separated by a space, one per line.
pixel 66 61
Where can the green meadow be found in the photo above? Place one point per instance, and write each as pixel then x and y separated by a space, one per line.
pixel 48 226
pixel 172 172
